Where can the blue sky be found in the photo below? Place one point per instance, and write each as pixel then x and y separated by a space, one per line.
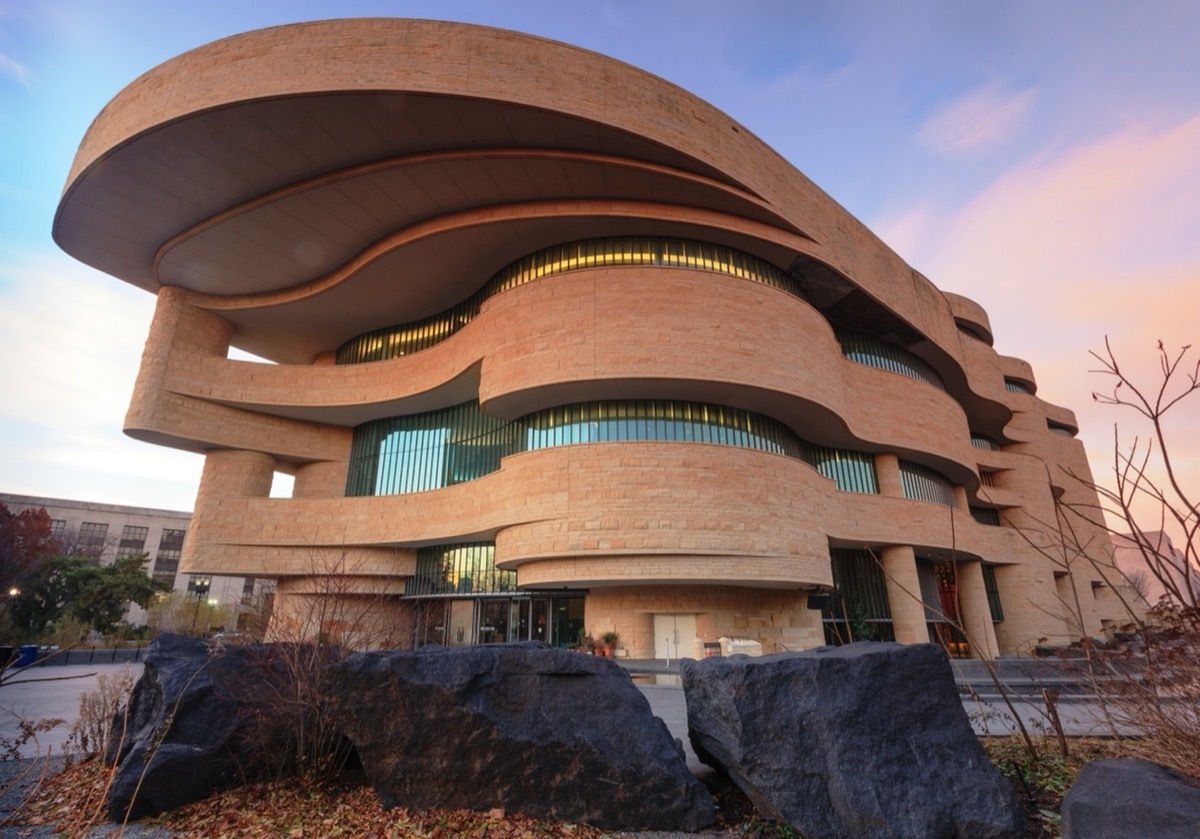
pixel 1012 152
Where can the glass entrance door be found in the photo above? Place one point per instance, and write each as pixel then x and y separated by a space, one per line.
pixel 493 620
pixel 556 620
pixel 529 619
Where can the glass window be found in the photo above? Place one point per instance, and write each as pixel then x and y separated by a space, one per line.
pixel 408 338
pixel 993 593
pixel 133 540
pixel 852 471
pixel 92 536
pixel 1059 428
pixel 441 448
pixel 457 569
pixel 873 351
pixel 986 515
pixel 924 484
pixel 982 441
pixel 858 608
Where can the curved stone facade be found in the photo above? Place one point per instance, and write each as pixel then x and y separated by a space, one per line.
pixel 297 190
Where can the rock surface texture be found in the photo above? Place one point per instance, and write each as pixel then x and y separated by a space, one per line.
pixel 201 718
pixel 533 730
pixel 868 740
pixel 1130 799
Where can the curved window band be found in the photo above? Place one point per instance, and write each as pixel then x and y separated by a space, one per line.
pixel 924 484
pixel 408 338
pixel 874 351
pixel 453 445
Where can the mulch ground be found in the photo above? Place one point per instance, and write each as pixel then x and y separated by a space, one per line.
pixel 73 802
pixel 1042 778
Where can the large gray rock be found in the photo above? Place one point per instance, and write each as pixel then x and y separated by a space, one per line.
pixel 533 730
pixel 1130 799
pixel 866 740
pixel 200 719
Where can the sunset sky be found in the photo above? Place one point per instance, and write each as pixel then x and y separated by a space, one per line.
pixel 1040 158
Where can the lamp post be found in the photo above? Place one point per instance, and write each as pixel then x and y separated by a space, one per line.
pixel 200 587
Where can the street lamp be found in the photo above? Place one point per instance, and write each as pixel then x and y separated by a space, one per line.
pixel 200 587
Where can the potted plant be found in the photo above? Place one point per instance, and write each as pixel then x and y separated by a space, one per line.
pixel 609 639
pixel 587 644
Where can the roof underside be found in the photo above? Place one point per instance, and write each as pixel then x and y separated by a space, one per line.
pixel 309 219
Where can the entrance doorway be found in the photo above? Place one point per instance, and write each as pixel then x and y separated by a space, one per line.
pixel 674 636
pixel 554 619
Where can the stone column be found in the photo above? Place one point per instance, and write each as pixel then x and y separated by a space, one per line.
pixel 904 595
pixel 229 475
pixel 887 472
pixel 960 498
pixel 177 325
pixel 976 615
pixel 1063 585
pixel 320 479
pixel 234 473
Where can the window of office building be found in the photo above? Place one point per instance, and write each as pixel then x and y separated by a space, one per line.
pixel 91 538
pixel 133 540
pixel 166 559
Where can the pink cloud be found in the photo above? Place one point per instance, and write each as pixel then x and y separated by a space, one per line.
pixel 1064 249
pixel 982 119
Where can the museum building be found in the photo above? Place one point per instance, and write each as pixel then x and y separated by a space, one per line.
pixel 553 347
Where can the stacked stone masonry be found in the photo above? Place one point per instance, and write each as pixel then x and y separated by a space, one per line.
pixel 288 190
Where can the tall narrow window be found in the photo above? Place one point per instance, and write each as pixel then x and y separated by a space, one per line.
pixel 993 593
pixel 858 608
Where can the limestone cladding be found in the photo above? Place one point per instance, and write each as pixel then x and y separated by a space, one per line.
pixel 410 162
pixel 780 620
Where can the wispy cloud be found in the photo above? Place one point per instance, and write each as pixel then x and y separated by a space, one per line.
pixel 70 341
pixel 14 69
pixel 982 119
pixel 1063 250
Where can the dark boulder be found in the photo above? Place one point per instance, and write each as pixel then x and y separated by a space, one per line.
pixel 1130 799
pixel 537 731
pixel 866 740
pixel 202 718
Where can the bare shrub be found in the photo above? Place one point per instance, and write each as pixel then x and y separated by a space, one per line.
pixel 187 614
pixel 19 745
pixel 1153 686
pixel 335 610
pixel 101 718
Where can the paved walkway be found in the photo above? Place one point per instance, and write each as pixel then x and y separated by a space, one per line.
pixel 47 693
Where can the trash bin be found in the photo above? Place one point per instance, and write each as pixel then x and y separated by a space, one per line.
pixel 28 655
